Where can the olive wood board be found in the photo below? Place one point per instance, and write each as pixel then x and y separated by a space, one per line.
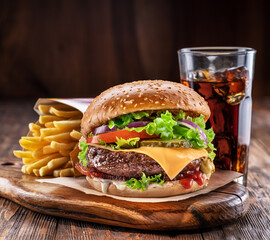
pixel 218 207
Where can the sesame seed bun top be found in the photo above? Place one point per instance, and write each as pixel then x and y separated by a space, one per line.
pixel 141 96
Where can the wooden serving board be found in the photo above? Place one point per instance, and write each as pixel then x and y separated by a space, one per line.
pixel 215 208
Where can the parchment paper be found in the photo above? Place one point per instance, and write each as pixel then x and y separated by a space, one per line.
pixel 218 179
pixel 80 104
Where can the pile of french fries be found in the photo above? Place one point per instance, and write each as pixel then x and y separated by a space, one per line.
pixel 50 141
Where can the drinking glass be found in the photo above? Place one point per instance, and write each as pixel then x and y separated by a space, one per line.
pixel 223 76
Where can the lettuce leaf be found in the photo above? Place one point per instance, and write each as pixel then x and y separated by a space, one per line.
pixel 82 153
pixel 124 120
pixel 122 143
pixel 191 135
pixel 121 121
pixel 102 142
pixel 144 181
pixel 140 115
pixel 209 134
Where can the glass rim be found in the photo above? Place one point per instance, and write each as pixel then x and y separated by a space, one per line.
pixel 216 51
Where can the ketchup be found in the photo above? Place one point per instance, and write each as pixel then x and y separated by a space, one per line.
pixel 87 173
pixel 188 181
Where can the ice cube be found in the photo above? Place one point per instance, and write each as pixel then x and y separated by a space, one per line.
pixel 232 74
pixel 201 74
pixel 235 98
pixel 231 84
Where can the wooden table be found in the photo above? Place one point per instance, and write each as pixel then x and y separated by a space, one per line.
pixel 17 222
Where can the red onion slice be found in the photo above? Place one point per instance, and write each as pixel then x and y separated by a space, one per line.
pixel 105 128
pixel 192 125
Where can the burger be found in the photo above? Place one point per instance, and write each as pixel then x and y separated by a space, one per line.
pixel 147 139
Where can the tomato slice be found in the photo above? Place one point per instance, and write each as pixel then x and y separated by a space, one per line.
pixel 110 137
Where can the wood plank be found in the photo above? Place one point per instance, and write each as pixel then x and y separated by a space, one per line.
pixel 8 210
pixel 70 229
pixel 57 200
pixel 32 225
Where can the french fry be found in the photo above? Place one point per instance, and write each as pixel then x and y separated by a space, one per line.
pixel 62 146
pixel 49 118
pixel 49 125
pixel 30 145
pixel 75 134
pixel 67 124
pixel 44 132
pixel 33 139
pixel 62 137
pixel 68 172
pixel 28 160
pixel 40 163
pixel 48 150
pixel 64 153
pixel 38 153
pixel 22 154
pixel 23 169
pixel 57 162
pixel 36 172
pixel 34 127
pixel 44 109
pixel 35 133
pixel 79 117
pixel 56 173
pixel 74 158
pixel 68 164
pixel 45 171
pixel 66 114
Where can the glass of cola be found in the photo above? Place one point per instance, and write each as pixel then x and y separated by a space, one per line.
pixel 223 76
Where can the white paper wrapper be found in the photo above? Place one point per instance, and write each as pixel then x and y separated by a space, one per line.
pixel 218 179
pixel 80 104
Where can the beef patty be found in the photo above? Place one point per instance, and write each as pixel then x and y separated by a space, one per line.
pixel 126 165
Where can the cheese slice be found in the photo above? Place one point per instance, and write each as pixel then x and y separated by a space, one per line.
pixel 172 160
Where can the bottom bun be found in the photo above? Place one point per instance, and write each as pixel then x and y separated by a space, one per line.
pixel 169 188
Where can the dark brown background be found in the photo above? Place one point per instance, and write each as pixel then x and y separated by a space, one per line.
pixel 79 48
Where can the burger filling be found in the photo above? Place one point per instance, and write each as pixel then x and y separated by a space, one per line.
pixel 130 167
pixel 166 129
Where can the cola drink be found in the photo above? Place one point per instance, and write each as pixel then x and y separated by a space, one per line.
pixel 228 93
